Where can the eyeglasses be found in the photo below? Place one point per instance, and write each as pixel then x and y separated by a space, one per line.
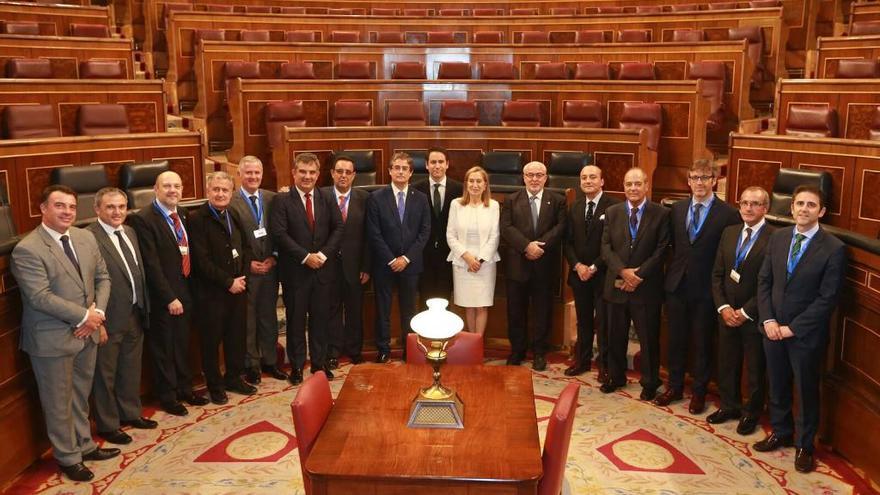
pixel 701 178
pixel 400 168
pixel 753 204
pixel 342 171
pixel 537 175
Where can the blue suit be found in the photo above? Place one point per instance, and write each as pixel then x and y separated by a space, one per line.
pixel 389 238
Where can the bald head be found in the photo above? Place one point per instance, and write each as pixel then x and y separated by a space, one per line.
pixel 168 189
pixel 591 181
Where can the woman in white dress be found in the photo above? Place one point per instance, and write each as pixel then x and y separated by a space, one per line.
pixel 473 235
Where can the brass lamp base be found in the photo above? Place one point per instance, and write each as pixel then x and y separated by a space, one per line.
pixel 440 408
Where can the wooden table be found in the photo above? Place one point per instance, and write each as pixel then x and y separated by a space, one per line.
pixel 366 448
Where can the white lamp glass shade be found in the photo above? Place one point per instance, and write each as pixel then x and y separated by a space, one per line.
pixel 436 323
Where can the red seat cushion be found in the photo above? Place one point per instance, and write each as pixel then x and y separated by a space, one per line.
pixel 90 30
pixel 297 70
pixel 21 27
pixel 589 37
pixel 857 69
pixel 405 113
pixel 688 35
pixel 30 121
pixel 389 37
pixel 583 113
pixel 535 37
pixel 488 37
pixel 280 114
pixel 634 35
pixel 345 37
pixel 102 119
pixel 557 440
pixel 459 112
pixel 353 69
pixel 408 70
pixel 101 69
pixel 454 70
pixel 636 71
pixel 554 70
pixel 310 410
pixel 254 35
pixel 811 121
pixel 441 37
pixel 592 70
pixel 29 68
pixel 648 116
pixel 497 70
pixel 521 114
pixel 352 113
pixel 299 36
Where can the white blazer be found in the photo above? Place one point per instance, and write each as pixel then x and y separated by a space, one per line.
pixel 487 225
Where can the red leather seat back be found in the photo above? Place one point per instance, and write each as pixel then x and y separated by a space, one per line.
pixel 408 70
pixel 299 36
pixel 523 11
pixel 89 30
pixel 102 119
pixel 583 113
pixel 454 70
pixel 29 68
pixel 688 35
pixel 254 35
pixel 459 113
pixel 297 70
pixel 353 69
pixel 811 121
pixel 310 409
pixel 714 75
pixel 634 35
pixel 280 114
pixel 101 69
pixel 755 36
pixel 352 113
pixel 857 68
pixel 535 37
pixel 648 116
pixel 466 348
pixel 488 37
pixel 497 70
pixel 592 70
pixel 557 440
pixel 29 121
pixel 861 28
pixel 345 37
pixel 553 70
pixel 441 37
pixel 589 37
pixel 405 113
pixel 240 68
pixel 209 35
pixel 389 37
pixel 521 114
pixel 21 27
pixel 636 71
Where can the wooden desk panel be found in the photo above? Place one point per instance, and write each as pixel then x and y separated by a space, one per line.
pixel 863 11
pixel 366 448
pixel 832 49
pixel 65 53
pixel 55 19
pixel 855 101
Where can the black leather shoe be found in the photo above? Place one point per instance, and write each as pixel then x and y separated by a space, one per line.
pixel 140 423
pixel 194 400
pixel 697 404
pixel 296 377
pixel 253 375
pixel 100 454
pixel 333 363
pixel 325 369
pixel 357 359
pixel 219 397
pixel 241 387
pixel 576 369
pixel 382 357
pixel 747 424
pixel 722 415
pixel 773 442
pixel 117 437
pixel 77 472
pixel 609 387
pixel 668 397
pixel 539 363
pixel 804 461
pixel 275 372
pixel 515 360
pixel 648 394
pixel 175 408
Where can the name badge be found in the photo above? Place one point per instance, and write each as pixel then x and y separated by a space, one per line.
pixel 734 275
pixel 260 232
pixel 234 253
pixel 184 250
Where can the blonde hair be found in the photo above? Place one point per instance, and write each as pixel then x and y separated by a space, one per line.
pixel 465 195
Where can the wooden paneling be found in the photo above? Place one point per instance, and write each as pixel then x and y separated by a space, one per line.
pixel 54 20
pixel 65 53
pixel 864 11
pixel 855 101
pixel 833 49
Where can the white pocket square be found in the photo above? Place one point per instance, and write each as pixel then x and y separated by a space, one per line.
pixel 602 217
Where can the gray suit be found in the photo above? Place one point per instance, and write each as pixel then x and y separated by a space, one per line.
pixel 262 290
pixel 118 372
pixel 55 298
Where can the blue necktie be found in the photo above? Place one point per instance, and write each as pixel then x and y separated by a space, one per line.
pixel 695 222
pixel 795 252
pixel 400 205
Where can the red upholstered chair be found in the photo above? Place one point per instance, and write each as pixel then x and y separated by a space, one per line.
pixel 381 11
pixel 552 70
pixel 755 36
pixel 583 113
pixel 209 35
pixel 89 30
pixel 592 70
pixel 102 119
pixel 452 12
pixel 21 27
pixel 688 7
pixel 390 37
pixel 310 409
pixel 441 37
pixel 563 11
pixel 293 10
pixel 353 69
pixel 523 11
pixel 487 12
pixel 497 71
pixel 297 70
pixel 101 69
pixel 760 4
pixel 258 9
pixel 714 75
pixel 859 68
pixel 30 121
pixel 534 37
pixel 557 441
pixel 589 37
pixel 466 348
pixel 488 37
pixel 861 28
pixel 415 12
pixel 636 71
pixel 459 113
pixel 281 114
pixel 352 113
pixel 405 113
pixel 688 35
pixel 521 114
pixel 254 35
pixel 408 70
pixel 454 70
pixel 648 116
pixel 610 10
pixel 634 35
pixel 345 37
pixel 299 36
pixel 722 6
pixel 240 68
pixel 811 121
pixel 874 131
pixel 29 68
pixel 648 9
pixel 332 11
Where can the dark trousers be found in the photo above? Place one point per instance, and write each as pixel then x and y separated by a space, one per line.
pixel 223 321
pixel 436 279
pixel 168 340
pixel 346 319
pixel 535 295
pixel 646 319
pixel 407 286
pixel 734 344
pixel 691 319
pixel 306 302
pixel 590 316
pixel 117 386
pixel 262 320
pixel 793 365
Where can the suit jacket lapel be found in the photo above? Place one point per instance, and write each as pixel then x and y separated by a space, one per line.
pixel 712 211
pixel 104 239
pixel 62 258
pixel 580 208
pixel 814 245
pixel 644 220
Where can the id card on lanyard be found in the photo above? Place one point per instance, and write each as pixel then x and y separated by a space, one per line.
pixel 742 250
pixel 258 214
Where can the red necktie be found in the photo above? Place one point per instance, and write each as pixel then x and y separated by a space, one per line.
pixel 343 207
pixel 182 242
pixel 310 215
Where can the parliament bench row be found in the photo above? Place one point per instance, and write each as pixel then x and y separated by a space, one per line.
pixel 41 68
pixel 65 54
pixel 39 121
pixel 75 30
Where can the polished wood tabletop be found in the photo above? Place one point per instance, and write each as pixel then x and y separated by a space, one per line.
pixel 366 447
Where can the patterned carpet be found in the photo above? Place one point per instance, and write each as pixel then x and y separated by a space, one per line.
pixel 620 445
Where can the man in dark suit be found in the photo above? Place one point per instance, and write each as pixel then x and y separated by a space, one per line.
pixel 735 290
pixel 117 385
pixel 583 250
pixel 696 225
pixel 161 230
pixel 398 227
pixel 634 245
pixel 253 207
pixel 798 287
pixel 64 291
pixel 353 269
pixel 307 228
pixel 532 229
pixel 436 280
pixel 221 253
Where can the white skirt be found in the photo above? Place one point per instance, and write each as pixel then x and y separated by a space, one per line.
pixel 474 290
